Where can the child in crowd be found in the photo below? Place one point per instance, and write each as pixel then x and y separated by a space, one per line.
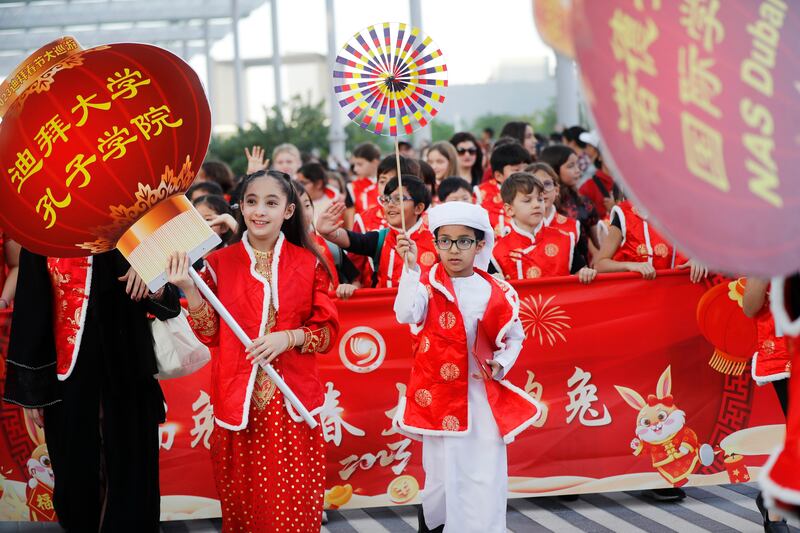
pixel 457 402
pixel 455 189
pixel 363 189
pixel 257 442
pixel 531 249
pixel 216 172
pixel 372 218
pixel 379 246
pixel 219 215
pixel 443 159
pixel 470 157
pixel 203 188
pixel 505 160
pixel 550 183
pixel 315 183
pixel 286 158
pixel 633 245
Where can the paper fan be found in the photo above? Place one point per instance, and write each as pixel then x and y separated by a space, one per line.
pixel 390 84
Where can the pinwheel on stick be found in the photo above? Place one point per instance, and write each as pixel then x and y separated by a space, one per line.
pixel 390 83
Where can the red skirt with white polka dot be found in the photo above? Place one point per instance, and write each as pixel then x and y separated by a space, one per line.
pixel 270 476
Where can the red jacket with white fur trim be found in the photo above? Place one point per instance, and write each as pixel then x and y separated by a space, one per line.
pixel 641 243
pixel 436 401
pixel 299 293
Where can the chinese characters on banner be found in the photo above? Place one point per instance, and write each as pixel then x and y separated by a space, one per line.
pixel 620 333
pixel 697 103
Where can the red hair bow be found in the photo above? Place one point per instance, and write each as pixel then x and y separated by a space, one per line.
pixel 653 400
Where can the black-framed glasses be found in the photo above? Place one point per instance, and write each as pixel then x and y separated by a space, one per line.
pixel 462 243
pixel 394 200
pixel 471 151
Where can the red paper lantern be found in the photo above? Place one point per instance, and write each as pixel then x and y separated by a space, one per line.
pixel 92 140
pixel 723 323
pixel 697 105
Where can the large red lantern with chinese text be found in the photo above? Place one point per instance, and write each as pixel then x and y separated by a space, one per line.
pixel 97 147
pixel 723 323
pixel 697 104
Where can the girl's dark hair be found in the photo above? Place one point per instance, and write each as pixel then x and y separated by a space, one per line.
pixel 416 189
pixel 206 187
pixel 515 129
pixel 219 173
pixel 314 172
pixel 556 156
pixel 450 185
pixel 294 228
pixel 477 168
pixel 389 164
pixel 368 151
pixel 427 175
pixel 221 207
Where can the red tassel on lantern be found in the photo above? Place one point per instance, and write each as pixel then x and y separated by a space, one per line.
pixel 722 322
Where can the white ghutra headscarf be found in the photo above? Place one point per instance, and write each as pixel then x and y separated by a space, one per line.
pixel 465 214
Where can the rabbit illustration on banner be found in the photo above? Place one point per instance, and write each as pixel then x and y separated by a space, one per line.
pixel 661 430
pixel 39 492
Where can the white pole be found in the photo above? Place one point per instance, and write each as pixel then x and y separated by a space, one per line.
pixel 242 336
pixel 566 91
pixel 276 55
pixel 336 135
pixel 237 66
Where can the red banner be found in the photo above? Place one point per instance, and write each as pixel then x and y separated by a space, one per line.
pixel 582 343
pixel 698 103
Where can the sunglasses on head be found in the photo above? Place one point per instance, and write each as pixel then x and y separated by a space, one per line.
pixel 462 151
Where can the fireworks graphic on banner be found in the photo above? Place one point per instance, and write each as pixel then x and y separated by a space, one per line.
pixel 542 320
pixel 389 79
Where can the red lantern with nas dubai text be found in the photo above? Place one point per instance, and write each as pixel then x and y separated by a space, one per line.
pixel 697 103
pixel 97 147
pixel 723 323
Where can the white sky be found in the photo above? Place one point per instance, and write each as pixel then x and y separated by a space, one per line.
pixel 475 36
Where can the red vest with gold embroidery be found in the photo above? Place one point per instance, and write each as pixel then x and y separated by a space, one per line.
pixel 436 401
pixel 391 264
pixel 565 224
pixel 370 220
pixel 364 192
pixel 299 293
pixel 519 256
pixel 71 279
pixel 772 361
pixel 488 195
pixel 641 243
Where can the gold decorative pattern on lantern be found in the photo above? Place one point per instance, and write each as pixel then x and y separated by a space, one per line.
pixel 447 320
pixel 423 397
pixel 450 423
pixel 661 250
pixel 43 83
pixel 449 372
pixel 146 198
pixel 551 250
pixel 736 291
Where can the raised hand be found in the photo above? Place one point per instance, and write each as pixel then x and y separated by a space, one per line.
pixel 255 159
pixel 331 219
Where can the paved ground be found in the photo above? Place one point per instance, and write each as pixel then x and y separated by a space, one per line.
pixel 718 509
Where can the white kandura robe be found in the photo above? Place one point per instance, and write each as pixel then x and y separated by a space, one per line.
pixel 466 476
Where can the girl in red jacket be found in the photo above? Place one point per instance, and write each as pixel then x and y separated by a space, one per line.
pixel 269 466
